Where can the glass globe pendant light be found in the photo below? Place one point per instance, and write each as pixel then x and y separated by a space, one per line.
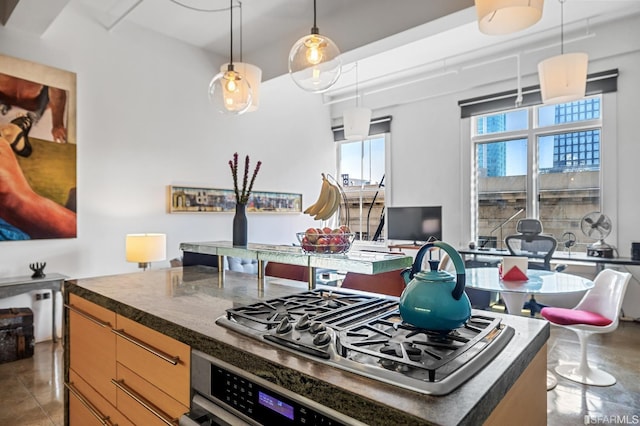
pixel 229 91
pixel 314 61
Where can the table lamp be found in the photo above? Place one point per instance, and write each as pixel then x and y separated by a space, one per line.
pixel 146 248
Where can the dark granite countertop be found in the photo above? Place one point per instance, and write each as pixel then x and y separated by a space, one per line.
pixel 185 302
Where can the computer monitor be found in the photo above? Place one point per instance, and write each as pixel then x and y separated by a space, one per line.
pixel 417 224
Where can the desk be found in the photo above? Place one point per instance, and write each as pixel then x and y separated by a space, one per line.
pixel 514 293
pixel 14 286
pixel 599 262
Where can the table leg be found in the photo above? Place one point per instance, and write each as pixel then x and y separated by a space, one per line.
pixel 220 270
pixel 54 332
pixel 312 277
pixel 514 302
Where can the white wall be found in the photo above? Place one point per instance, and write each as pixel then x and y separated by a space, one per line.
pixel 144 122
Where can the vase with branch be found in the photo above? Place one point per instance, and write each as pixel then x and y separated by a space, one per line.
pixel 242 198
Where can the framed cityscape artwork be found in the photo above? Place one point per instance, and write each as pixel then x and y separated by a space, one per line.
pixel 186 199
pixel 37 151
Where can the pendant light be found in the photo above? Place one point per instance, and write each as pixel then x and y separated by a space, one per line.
pixel 356 120
pixel 229 90
pixel 563 78
pixel 497 17
pixel 314 61
pixel 251 72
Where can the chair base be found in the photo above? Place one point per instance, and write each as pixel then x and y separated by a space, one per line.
pixel 588 376
pixel 551 380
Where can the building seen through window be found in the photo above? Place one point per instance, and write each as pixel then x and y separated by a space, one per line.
pixel 550 170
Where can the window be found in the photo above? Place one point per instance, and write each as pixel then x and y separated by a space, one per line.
pixel 539 162
pixel 361 168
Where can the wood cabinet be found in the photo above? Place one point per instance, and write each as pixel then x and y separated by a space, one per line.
pixel 121 372
pixel 92 345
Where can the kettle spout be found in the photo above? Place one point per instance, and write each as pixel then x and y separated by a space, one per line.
pixel 407 275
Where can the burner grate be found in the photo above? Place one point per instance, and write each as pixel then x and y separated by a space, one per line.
pixel 418 353
pixel 336 309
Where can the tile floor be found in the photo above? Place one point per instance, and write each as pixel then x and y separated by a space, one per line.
pixel 31 390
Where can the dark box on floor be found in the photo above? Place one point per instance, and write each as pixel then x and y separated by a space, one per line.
pixel 16 334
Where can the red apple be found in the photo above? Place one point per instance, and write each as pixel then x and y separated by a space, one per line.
pixel 307 245
pixel 322 245
pixel 312 235
pixel 345 229
pixel 326 230
pixel 336 244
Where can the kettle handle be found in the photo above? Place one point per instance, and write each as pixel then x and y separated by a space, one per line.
pixel 457 262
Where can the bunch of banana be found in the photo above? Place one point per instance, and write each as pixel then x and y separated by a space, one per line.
pixel 327 203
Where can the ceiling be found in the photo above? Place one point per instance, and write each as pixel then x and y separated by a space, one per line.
pixel 361 28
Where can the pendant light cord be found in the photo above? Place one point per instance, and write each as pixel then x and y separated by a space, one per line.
pixel 562 27
pixel 314 30
pixel 357 97
pixel 231 32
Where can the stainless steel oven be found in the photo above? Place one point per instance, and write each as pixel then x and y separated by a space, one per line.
pixel 226 395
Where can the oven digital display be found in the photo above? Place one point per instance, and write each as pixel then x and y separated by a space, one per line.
pixel 275 405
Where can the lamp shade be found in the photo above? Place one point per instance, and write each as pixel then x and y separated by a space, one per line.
pixel 314 63
pixel 563 78
pixel 145 248
pixel 507 16
pixel 230 92
pixel 356 123
pixel 253 74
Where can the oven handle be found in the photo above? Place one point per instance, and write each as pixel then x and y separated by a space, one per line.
pixel 104 420
pixel 221 415
pixel 142 401
pixel 165 357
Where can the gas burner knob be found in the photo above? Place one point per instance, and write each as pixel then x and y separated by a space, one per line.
pixel 321 339
pixel 303 323
pixel 284 326
pixel 317 327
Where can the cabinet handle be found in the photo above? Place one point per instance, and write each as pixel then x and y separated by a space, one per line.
pixel 88 316
pixel 168 358
pixel 104 420
pixel 146 404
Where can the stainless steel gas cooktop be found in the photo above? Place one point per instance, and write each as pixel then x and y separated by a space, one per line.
pixel 365 335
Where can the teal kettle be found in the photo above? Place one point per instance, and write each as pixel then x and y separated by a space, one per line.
pixel 435 300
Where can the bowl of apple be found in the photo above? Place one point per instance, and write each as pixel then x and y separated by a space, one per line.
pixel 326 240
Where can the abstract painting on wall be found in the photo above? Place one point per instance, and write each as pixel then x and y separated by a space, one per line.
pixel 37 151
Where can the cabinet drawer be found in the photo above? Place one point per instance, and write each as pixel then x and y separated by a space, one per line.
pixel 143 403
pixel 87 407
pixel 160 360
pixel 92 345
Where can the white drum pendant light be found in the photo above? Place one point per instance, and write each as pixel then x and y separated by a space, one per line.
pixel 497 17
pixel 229 90
pixel 356 120
pixel 563 78
pixel 314 61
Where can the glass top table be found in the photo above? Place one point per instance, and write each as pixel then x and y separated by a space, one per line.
pixel 514 293
pixel 352 261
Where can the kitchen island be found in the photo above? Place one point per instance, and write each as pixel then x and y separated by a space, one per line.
pixel 183 303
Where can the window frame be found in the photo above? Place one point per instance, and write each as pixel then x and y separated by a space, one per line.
pixel 532 134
